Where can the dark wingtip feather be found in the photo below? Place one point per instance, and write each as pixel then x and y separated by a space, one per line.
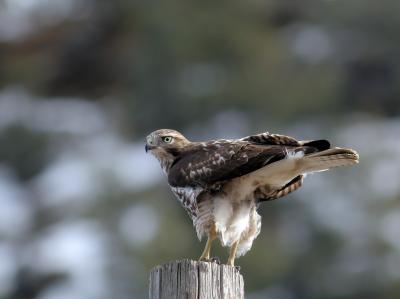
pixel 320 145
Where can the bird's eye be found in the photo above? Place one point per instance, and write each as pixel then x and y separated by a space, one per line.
pixel 167 139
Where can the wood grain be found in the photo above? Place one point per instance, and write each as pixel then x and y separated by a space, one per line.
pixel 188 279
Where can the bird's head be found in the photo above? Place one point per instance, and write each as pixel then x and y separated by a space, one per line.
pixel 165 144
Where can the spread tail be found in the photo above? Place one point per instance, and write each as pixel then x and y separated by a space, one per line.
pixel 333 157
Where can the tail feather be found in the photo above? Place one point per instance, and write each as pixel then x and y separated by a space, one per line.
pixel 329 158
pixel 278 174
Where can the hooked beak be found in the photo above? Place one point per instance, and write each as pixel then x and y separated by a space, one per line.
pixel 148 147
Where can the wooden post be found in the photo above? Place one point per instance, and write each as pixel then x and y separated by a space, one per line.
pixel 188 279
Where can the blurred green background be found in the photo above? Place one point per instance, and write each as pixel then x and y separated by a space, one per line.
pixel 85 213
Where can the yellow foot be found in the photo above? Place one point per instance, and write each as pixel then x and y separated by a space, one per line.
pixel 232 254
pixel 205 256
pixel 231 262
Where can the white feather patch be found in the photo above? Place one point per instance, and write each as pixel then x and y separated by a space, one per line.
pixel 238 224
pixel 250 234
pixel 232 219
pixel 223 211
pixel 291 154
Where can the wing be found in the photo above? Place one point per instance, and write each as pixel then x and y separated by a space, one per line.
pixel 205 164
pixel 209 163
pixel 272 139
pixel 276 139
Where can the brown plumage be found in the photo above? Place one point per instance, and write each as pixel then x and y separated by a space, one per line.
pixel 221 182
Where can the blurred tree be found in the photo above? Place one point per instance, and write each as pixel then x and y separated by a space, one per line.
pixel 23 150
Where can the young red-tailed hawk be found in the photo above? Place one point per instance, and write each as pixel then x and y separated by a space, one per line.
pixel 221 182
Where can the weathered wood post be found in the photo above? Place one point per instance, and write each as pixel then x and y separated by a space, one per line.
pixel 188 279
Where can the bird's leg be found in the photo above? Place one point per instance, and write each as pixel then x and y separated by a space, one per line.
pixel 232 254
pixel 206 252
pixel 205 256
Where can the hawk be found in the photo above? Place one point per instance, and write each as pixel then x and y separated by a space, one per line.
pixel 220 183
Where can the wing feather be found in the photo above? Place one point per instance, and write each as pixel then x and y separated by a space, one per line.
pixel 214 162
pixel 209 164
pixel 187 196
pixel 264 193
pixel 271 139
